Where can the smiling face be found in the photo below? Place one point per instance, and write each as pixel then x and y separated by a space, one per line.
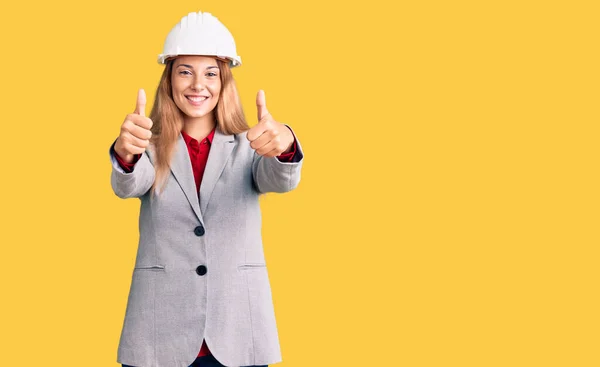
pixel 196 84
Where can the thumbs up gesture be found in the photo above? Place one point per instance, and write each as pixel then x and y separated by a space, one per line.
pixel 135 131
pixel 269 138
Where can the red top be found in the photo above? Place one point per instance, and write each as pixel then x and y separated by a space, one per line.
pixel 198 156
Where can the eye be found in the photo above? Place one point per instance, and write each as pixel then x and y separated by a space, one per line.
pixel 185 71
pixel 211 74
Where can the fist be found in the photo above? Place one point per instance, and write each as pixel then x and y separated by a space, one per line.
pixel 135 131
pixel 269 138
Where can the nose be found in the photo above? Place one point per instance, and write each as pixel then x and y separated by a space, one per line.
pixel 197 84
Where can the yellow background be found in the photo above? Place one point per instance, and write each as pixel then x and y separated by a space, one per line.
pixel 448 209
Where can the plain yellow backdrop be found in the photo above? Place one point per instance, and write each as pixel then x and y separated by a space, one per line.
pixel 448 209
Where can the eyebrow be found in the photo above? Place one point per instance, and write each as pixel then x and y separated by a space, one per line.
pixel 191 67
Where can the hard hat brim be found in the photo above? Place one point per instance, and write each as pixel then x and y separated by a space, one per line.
pixel 233 62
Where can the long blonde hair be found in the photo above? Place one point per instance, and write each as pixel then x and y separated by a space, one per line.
pixel 167 118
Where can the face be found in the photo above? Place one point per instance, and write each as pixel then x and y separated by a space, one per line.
pixel 196 86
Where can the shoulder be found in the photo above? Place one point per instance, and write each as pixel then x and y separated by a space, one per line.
pixel 151 152
pixel 242 136
pixel 243 148
pixel 242 139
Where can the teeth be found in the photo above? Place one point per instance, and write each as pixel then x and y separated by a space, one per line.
pixel 196 99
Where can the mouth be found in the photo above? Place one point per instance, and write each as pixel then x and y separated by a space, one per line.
pixel 196 100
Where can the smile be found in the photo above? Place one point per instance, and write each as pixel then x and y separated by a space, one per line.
pixel 196 101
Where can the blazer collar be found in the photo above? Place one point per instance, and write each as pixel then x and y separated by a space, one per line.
pixel 181 167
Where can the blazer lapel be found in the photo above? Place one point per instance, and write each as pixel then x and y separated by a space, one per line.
pixel 220 150
pixel 181 167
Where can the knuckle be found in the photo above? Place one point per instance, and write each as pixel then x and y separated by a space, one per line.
pixel 140 132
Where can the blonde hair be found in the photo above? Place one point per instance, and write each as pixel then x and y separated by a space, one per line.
pixel 167 118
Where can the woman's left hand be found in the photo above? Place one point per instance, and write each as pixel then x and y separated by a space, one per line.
pixel 269 138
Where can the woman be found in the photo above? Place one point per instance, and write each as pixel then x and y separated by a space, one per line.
pixel 200 293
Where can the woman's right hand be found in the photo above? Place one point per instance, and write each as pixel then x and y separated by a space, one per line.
pixel 135 131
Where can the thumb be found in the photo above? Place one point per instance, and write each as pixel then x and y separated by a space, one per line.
pixel 140 106
pixel 261 105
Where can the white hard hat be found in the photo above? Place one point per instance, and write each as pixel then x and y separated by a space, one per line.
pixel 200 34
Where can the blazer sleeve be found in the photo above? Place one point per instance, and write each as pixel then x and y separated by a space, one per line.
pixel 272 175
pixel 131 184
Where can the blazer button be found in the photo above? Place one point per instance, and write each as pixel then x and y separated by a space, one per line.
pixel 199 231
pixel 201 270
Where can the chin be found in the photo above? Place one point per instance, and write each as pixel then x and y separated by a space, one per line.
pixel 195 114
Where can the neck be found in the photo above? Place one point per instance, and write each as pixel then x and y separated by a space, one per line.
pixel 199 128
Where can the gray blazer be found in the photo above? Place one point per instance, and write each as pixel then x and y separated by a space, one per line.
pixel 200 270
